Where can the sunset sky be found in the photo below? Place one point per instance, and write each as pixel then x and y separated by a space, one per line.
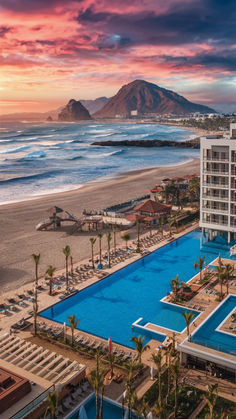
pixel 54 50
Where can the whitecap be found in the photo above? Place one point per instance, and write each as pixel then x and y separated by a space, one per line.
pixel 14 150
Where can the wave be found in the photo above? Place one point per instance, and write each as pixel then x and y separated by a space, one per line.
pixel 35 155
pixel 7 141
pixel 38 176
pixel 111 153
pixel 15 149
pixel 76 158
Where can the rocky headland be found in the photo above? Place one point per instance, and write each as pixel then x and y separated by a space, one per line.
pixel 194 143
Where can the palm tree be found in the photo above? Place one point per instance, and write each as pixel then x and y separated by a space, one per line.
pixel 66 252
pixel 157 359
pixel 194 189
pixel 168 365
pixel 161 225
pixel 73 325
pixel 50 272
pixel 140 347
pixel 126 237
pixel 175 285
pixel 220 273
pixel 114 237
pixel 109 238
pixel 52 400
pixel 129 396
pixel 71 267
pixel 211 398
pixel 199 265
pixel 36 261
pixel 188 317
pixel 100 236
pixel 138 231
pixel 96 379
pixel 228 275
pixel 176 219
pixel 92 241
pixel 35 302
pixel 170 223
pixel 175 368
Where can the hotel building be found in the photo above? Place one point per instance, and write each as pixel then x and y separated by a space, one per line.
pixel 218 185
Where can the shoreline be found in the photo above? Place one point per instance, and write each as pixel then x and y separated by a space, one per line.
pixel 19 238
pixel 96 181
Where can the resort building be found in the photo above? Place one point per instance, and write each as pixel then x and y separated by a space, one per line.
pixel 151 211
pixel 181 183
pixel 13 388
pixel 212 345
pixel 218 185
pixel 28 373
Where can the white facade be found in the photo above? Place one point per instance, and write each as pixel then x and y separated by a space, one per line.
pixel 218 184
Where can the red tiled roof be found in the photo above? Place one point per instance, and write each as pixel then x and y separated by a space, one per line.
pixel 134 217
pixel 152 207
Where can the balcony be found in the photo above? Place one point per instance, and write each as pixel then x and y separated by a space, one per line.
pixel 215 198
pixel 216 158
pixel 216 172
pixel 215 210
pixel 219 223
pixel 215 185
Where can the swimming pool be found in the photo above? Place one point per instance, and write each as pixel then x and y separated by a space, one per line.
pixel 109 307
pixel 207 335
pixel 111 410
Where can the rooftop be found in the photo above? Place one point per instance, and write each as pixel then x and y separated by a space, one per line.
pixel 152 207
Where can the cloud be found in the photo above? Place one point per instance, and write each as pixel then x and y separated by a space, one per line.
pixel 199 21
pixel 4 30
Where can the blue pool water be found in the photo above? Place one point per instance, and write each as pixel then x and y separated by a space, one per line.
pixel 109 307
pixel 111 410
pixel 208 336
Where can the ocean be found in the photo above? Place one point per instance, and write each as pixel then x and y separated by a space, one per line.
pixel 43 158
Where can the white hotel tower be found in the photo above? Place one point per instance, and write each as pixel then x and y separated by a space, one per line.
pixel 218 185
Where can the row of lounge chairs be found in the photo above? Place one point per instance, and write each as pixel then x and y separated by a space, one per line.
pixel 87 342
pixel 91 343
pixel 76 397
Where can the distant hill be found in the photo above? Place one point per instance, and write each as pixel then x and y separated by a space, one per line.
pixel 95 105
pixel 148 98
pixel 74 111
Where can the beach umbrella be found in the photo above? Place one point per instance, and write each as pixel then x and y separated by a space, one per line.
pixel 126 415
pixel 82 413
pixel 110 346
pixel 152 372
pixel 64 330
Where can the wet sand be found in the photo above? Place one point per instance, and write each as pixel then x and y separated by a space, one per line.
pixel 19 238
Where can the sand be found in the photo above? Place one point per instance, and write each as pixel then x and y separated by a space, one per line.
pixel 19 238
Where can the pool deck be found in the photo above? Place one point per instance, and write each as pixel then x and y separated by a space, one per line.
pixel 198 378
pixel 45 300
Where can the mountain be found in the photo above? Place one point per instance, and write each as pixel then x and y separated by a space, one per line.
pixel 148 98
pixel 74 111
pixel 94 105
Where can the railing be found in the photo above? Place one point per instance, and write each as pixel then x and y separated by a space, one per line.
pixel 221 348
pixel 220 223
pixel 217 210
pixel 217 185
pixel 215 158
pixel 33 404
pixel 219 172
pixel 216 198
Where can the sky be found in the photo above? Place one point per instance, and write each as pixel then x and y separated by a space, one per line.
pixel 55 50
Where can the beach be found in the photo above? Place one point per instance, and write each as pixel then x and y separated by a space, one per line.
pixel 19 238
